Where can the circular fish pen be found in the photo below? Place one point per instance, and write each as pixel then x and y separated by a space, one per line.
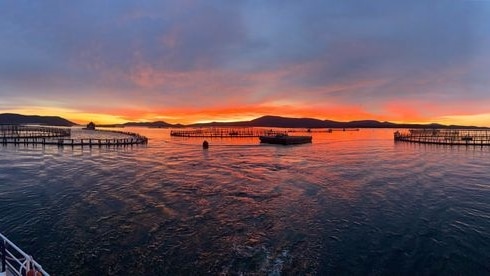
pixel 468 137
pixel 41 135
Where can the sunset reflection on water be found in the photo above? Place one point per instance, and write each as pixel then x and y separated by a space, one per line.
pixel 350 202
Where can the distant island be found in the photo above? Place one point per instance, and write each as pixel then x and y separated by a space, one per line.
pixel 18 119
pixel 264 121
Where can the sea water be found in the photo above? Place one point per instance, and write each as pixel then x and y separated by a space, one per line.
pixel 351 202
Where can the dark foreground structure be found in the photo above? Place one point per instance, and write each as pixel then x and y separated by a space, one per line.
pixel 474 137
pixel 15 262
pixel 39 135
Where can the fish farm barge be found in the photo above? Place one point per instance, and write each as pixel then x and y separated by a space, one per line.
pixel 225 132
pixel 39 135
pixel 473 137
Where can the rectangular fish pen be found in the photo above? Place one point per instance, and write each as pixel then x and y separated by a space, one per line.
pixel 474 137
pixel 224 132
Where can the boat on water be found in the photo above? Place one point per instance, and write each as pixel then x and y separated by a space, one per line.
pixel 15 262
pixel 285 139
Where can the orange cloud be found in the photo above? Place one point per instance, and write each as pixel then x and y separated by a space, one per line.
pixel 401 112
pixel 205 95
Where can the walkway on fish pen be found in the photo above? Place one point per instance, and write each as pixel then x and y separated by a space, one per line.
pixel 23 131
pixel 225 132
pixel 35 135
pixel 473 137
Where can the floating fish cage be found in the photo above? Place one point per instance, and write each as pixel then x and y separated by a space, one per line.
pixel 224 132
pixel 476 137
pixel 21 131
pixel 34 135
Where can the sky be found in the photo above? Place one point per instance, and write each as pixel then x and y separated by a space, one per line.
pixel 185 61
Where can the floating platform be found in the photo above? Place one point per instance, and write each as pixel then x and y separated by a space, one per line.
pixel 29 135
pixel 475 137
pixel 282 139
pixel 225 132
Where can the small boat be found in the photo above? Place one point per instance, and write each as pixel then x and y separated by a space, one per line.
pixel 14 261
pixel 284 139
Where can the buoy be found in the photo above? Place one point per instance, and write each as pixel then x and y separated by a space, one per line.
pixel 205 144
pixel 33 272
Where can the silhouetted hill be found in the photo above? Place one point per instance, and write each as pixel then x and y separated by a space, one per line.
pixel 285 122
pixel 368 124
pixel 276 121
pixel 264 121
pixel 221 124
pixel 18 119
pixel 157 124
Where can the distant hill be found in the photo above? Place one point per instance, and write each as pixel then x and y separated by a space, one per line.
pixel 157 124
pixel 271 121
pixel 264 121
pixel 18 119
pixel 285 122
pixel 276 121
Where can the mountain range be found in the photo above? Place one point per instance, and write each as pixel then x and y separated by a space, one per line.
pixel 264 121
pixel 286 122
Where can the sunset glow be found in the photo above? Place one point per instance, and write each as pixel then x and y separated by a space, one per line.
pixel 203 61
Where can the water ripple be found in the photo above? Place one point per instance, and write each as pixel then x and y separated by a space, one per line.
pixel 349 203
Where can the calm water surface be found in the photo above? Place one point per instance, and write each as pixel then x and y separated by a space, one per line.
pixel 351 202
